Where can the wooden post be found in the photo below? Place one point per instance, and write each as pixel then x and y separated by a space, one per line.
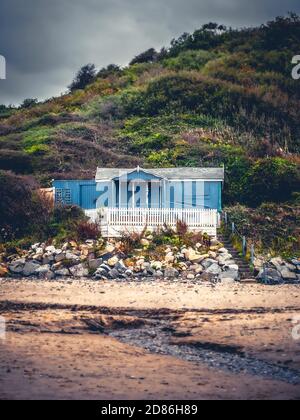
pixel 226 218
pixel 233 227
pixel 252 254
pixel 244 246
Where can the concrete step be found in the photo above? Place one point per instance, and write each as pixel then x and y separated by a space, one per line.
pixel 246 274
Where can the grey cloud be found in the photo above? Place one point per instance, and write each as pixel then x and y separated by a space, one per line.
pixel 45 42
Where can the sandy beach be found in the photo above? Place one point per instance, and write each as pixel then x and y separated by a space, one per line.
pixel 149 340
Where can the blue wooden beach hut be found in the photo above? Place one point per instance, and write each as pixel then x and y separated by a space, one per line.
pixel 133 198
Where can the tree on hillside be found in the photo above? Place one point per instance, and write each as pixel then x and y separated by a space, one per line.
pixel 5 111
pixel 214 27
pixel 148 56
pixel 29 103
pixel 111 69
pixel 84 77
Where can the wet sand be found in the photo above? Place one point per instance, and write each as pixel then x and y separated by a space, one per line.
pixel 151 294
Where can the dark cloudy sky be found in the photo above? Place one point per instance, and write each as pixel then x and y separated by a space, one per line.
pixel 46 41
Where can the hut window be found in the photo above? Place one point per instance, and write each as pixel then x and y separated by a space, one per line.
pixel 63 196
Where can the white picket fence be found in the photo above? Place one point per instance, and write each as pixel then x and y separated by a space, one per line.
pixel 114 221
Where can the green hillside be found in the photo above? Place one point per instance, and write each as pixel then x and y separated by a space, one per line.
pixel 217 96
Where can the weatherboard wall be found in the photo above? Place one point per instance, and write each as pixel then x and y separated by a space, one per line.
pixel 176 194
pixel 82 193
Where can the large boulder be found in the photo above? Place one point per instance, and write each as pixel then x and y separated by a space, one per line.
pixel 48 258
pixel 193 256
pixel 296 264
pixel 113 274
pixel 101 273
pixel 277 262
pixel 212 255
pixel 104 267
pixel 169 258
pixel 44 272
pixel 270 276
pixel 234 267
pixel 113 261
pixel 38 256
pixel 224 258
pixel 129 273
pixel 34 247
pixel 208 262
pixel 17 266
pixel 157 265
pixel 94 264
pixel 159 274
pixel 64 272
pixel 71 256
pixel 60 256
pixel 30 269
pixel 51 249
pixel 79 271
pixel 214 269
pixel 120 266
pixel 209 277
pixel 288 275
pixel 171 272
pixel 258 264
pixel 230 274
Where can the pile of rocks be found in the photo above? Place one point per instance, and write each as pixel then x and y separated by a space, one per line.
pixel 186 263
pixel 278 271
pixel 93 259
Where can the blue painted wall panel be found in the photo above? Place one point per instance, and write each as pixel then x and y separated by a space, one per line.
pixel 196 194
pixel 80 193
pixel 212 195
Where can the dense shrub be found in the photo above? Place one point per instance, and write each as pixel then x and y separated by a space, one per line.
pixel 271 227
pixel 64 221
pixel 87 230
pixel 84 77
pixel 15 160
pixel 132 240
pixel 148 56
pixel 180 236
pixel 185 92
pixel 63 214
pixel 271 179
pixel 22 211
pixel 190 60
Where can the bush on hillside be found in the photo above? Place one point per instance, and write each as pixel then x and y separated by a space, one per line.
pixel 87 230
pixel 22 211
pixel 271 179
pixel 84 77
pixel 15 160
pixel 271 227
pixel 239 107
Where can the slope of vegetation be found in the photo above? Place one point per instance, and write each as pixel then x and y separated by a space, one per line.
pixel 215 97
